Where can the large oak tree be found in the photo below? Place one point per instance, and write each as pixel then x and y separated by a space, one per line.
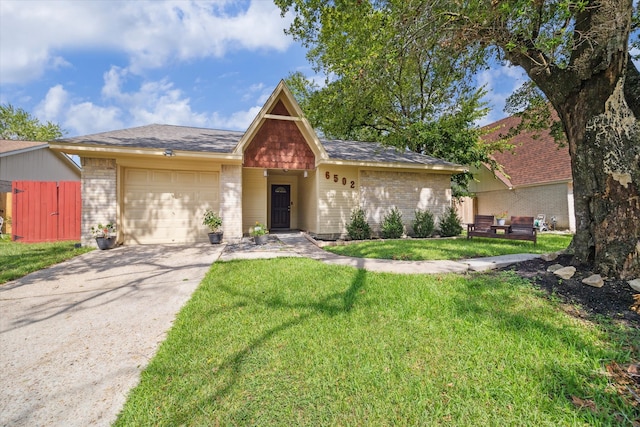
pixel 577 54
pixel 383 84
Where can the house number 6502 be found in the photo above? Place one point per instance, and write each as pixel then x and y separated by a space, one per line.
pixel 336 178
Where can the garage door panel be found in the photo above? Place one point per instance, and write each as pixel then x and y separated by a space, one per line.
pixel 161 177
pixel 167 206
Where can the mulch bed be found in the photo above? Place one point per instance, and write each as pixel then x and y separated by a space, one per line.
pixel 614 300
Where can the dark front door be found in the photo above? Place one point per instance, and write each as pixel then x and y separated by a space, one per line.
pixel 280 206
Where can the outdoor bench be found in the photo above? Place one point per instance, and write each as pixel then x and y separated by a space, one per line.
pixel 521 228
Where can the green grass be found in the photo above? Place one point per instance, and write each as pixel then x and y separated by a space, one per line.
pixel 297 342
pixel 20 259
pixel 453 249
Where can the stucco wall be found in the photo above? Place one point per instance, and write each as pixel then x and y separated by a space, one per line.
pixel 99 195
pixel 550 200
pixel 380 191
pixel 254 198
pixel 231 201
pixel 308 202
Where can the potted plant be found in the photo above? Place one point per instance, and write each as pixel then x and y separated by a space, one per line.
pixel 260 234
pixel 105 235
pixel 212 220
pixel 501 217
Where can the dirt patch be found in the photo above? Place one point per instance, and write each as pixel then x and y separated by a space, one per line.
pixel 613 300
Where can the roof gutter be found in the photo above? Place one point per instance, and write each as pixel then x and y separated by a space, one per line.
pixel 102 151
pixel 451 168
pixel 23 150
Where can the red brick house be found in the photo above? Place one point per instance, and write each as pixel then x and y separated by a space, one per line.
pixel 536 180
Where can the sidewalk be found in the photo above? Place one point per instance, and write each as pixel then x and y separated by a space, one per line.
pixel 298 244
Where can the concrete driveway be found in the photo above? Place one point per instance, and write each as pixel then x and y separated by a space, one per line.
pixel 75 337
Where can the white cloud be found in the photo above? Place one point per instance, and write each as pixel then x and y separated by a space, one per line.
pixel 500 82
pixel 240 120
pixel 151 102
pixel 35 35
pixel 87 118
pixel 53 104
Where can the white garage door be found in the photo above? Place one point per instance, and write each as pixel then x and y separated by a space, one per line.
pixel 162 206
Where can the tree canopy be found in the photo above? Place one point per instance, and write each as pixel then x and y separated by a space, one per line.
pixel 16 123
pixel 384 85
pixel 576 53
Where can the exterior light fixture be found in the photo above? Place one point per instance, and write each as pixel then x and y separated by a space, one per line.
pixel 306 174
pixel 168 152
pixel 265 173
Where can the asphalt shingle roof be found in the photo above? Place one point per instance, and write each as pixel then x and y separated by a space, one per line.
pixel 165 136
pixel 9 145
pixel 221 141
pixel 534 160
pixel 376 152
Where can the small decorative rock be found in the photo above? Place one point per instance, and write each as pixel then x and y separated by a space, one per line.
pixel 565 272
pixel 553 268
pixel 594 280
pixel 549 257
pixel 635 284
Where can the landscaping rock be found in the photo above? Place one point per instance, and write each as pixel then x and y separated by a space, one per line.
pixel 565 272
pixel 635 284
pixel 554 267
pixel 549 257
pixel 594 280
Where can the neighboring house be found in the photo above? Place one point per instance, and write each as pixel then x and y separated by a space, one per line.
pixel 156 181
pixel 536 180
pixel 30 161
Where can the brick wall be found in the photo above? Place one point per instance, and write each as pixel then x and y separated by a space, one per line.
pixel 550 200
pixel 231 201
pixel 380 191
pixel 99 195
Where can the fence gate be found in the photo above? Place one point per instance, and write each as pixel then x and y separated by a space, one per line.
pixel 46 211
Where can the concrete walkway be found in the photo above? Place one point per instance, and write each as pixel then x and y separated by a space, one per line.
pixel 74 337
pixel 299 244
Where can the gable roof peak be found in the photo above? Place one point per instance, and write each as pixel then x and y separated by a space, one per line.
pixel 282 94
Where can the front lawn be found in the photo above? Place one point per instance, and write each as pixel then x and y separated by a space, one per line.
pixel 20 259
pixel 298 342
pixel 452 249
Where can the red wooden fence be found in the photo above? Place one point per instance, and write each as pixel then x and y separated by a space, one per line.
pixel 46 211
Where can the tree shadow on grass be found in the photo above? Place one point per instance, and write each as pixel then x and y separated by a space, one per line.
pixel 489 298
pixel 124 275
pixel 334 304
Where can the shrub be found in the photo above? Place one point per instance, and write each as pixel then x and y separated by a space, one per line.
pixel 424 224
pixel 391 227
pixel 358 229
pixel 450 223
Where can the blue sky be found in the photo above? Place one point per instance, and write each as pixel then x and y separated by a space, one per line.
pixel 94 66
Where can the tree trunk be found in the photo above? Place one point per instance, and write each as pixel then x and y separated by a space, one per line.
pixel 603 132
pixel 605 162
